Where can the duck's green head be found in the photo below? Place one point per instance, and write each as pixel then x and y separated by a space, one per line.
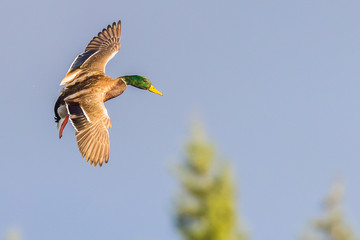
pixel 140 82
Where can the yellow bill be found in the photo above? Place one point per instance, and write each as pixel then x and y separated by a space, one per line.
pixel 154 90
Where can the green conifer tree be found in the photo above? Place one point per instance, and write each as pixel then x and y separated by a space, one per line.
pixel 333 225
pixel 206 207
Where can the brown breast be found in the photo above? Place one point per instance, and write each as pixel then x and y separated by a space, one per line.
pixel 117 89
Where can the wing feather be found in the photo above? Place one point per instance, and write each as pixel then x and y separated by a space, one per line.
pixel 97 53
pixel 91 122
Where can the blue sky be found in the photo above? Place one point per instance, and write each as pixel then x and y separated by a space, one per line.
pixel 275 82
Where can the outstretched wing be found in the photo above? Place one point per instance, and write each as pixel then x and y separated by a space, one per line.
pixel 91 122
pixel 98 52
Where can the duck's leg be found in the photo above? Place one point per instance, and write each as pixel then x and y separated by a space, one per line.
pixel 63 125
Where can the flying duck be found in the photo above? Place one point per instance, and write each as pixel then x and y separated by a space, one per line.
pixel 87 88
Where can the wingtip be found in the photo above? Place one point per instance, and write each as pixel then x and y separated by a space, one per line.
pixel 115 24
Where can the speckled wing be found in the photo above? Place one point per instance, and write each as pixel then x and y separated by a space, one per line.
pixel 91 122
pixel 97 54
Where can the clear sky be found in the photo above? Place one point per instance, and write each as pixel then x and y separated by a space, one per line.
pixel 276 83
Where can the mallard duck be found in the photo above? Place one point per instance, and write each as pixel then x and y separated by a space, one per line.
pixel 87 88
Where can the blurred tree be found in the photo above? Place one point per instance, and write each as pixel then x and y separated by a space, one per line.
pixel 333 226
pixel 13 234
pixel 206 207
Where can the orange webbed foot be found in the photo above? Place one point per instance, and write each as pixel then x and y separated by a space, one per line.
pixel 63 125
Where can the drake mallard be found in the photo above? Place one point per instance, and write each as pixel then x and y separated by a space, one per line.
pixel 87 88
